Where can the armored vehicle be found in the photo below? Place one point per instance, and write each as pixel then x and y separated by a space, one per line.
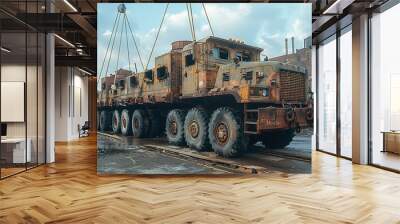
pixel 212 93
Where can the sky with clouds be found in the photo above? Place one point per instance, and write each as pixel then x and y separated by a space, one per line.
pixel 259 24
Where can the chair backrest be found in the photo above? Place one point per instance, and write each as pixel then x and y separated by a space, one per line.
pixel 86 125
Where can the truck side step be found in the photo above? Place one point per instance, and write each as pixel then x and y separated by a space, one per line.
pixel 252 111
pixel 251 132
pixel 250 120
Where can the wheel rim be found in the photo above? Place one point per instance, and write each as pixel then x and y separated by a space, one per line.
pixel 123 122
pixel 194 129
pixel 221 133
pixel 173 127
pixel 115 121
pixel 136 123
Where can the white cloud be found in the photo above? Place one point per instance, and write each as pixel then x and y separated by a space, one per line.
pixel 107 33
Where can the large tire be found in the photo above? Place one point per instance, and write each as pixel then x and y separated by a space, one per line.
pixel 225 133
pixel 278 140
pixel 155 126
pixel 140 124
pixel 174 127
pixel 126 127
pixel 196 129
pixel 116 122
pixel 105 120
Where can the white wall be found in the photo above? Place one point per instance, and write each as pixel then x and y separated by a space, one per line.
pixel 71 102
pixel 33 126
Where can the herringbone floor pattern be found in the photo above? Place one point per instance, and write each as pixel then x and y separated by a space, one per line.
pixel 70 191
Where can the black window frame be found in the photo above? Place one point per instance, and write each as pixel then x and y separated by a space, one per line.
pixel 164 70
pixel 189 60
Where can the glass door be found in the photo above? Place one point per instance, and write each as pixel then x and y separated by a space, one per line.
pixel 14 144
pixel 385 90
pixel 22 101
pixel 327 95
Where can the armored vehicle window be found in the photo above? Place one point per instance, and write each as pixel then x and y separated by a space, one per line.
pixel 189 60
pixel 239 56
pixel 242 56
pixel 121 84
pixel 248 75
pixel 133 81
pixel 223 54
pixel 225 77
pixel 246 57
pixel 162 73
pixel 148 75
pixel 220 53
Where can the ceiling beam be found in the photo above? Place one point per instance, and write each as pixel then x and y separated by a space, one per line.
pixel 81 61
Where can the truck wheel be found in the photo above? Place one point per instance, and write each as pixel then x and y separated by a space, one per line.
pixel 105 120
pixel 225 133
pixel 140 124
pixel 196 129
pixel 278 140
pixel 155 126
pixel 116 122
pixel 174 127
pixel 126 127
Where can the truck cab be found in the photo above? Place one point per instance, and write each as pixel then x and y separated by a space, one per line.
pixel 202 59
pixel 262 82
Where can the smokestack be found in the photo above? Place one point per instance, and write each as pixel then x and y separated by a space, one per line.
pixel 286 46
pixel 292 45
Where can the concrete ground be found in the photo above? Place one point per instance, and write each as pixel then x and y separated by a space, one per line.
pixel 118 157
pixel 126 155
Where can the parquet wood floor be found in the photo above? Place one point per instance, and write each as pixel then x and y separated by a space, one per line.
pixel 70 191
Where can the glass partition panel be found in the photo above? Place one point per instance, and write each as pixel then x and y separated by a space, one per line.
pixel 346 92
pixel 327 96
pixel 15 151
pixel 22 66
pixel 41 110
pixel 31 97
pixel 385 89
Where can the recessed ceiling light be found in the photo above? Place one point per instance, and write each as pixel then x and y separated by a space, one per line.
pixel 337 7
pixel 70 5
pixel 5 50
pixel 64 40
pixel 84 71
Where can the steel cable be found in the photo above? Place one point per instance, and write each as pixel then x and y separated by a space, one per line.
pixel 134 41
pixel 158 32
pixel 108 46
pixel 127 44
pixel 208 19
pixel 112 47
pixel 191 15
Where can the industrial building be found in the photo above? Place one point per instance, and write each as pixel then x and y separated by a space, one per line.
pixel 48 93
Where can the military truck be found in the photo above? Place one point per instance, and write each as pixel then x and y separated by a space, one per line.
pixel 213 93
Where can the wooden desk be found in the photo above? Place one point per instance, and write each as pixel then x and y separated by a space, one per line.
pixel 391 141
pixel 13 150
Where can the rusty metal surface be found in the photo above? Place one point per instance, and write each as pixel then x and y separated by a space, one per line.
pixel 270 118
pixel 254 81
pixel 292 87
